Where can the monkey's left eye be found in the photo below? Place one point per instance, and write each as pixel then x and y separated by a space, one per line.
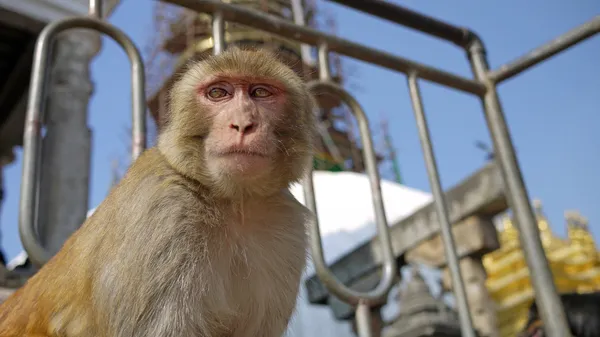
pixel 261 92
pixel 217 93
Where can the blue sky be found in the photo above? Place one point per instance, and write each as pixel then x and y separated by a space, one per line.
pixel 552 110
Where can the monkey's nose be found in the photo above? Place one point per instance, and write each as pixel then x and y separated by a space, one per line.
pixel 243 128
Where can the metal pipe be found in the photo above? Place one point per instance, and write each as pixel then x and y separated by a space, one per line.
pixel 411 19
pixel 363 320
pixel 325 75
pixel 218 33
pixel 390 269
pixel 299 19
pixel 546 51
pixel 298 12
pixel 547 299
pixel 35 117
pixel 466 324
pixel 95 9
pixel 324 72
pixel 285 28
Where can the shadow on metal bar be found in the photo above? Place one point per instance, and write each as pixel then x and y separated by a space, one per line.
pixel 35 117
pixel 363 300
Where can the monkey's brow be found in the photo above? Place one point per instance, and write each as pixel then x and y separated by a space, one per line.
pixel 242 79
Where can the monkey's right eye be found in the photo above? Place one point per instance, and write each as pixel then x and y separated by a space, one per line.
pixel 217 93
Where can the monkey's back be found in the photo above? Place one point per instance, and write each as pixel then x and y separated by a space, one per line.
pixel 160 257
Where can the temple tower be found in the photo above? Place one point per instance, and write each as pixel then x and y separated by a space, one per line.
pixel 574 262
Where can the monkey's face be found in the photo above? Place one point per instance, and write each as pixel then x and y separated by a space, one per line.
pixel 245 114
pixel 240 122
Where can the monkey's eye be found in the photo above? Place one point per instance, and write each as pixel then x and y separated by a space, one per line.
pixel 217 93
pixel 261 92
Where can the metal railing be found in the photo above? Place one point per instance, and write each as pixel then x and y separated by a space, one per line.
pixel 483 86
pixel 362 300
pixel 32 137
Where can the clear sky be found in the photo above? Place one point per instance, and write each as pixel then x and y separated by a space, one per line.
pixel 552 110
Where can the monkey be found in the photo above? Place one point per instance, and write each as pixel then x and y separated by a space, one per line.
pixel 582 311
pixel 202 236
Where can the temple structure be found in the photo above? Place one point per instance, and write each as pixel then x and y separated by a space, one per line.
pixel 188 36
pixel 575 264
pixel 422 314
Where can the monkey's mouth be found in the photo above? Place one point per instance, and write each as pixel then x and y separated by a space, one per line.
pixel 240 152
pixel 243 161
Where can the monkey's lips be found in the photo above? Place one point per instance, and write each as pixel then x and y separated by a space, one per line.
pixel 244 160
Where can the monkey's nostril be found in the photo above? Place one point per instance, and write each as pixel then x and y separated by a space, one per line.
pixel 249 128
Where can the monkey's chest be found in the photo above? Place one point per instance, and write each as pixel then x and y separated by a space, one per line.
pixel 257 292
pixel 237 285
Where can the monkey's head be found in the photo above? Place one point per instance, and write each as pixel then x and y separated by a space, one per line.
pixel 240 122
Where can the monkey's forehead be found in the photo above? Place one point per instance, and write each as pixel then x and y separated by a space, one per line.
pixel 252 65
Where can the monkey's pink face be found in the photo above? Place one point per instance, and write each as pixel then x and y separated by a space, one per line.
pixel 244 114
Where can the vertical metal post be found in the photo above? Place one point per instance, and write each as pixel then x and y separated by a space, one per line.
pixel 95 9
pixel 298 14
pixel 218 33
pixel 466 324
pixel 325 75
pixel 324 72
pixel 363 320
pixel 546 296
pixel 362 300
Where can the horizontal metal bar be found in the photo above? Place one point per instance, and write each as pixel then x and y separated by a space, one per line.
pixel 286 28
pixel 546 51
pixel 411 19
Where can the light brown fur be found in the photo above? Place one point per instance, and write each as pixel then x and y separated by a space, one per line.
pixel 178 250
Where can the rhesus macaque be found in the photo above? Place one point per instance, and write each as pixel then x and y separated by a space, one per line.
pixel 202 236
pixel 583 316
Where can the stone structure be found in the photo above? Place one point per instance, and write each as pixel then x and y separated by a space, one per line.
pixel 421 314
pixel 474 237
pixel 481 306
